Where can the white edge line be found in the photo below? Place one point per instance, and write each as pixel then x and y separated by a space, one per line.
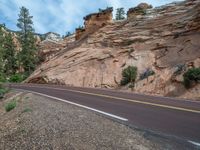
pixel 176 99
pixel 194 143
pixel 79 105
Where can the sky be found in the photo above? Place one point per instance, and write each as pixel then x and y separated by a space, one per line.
pixel 61 16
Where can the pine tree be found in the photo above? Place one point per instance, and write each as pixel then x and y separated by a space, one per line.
pixel 67 34
pixel 9 57
pixel 28 54
pixel 120 14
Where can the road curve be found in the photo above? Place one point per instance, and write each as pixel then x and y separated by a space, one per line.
pixel 169 116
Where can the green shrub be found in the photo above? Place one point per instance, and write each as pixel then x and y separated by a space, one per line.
pixel 192 75
pixel 129 75
pixel 11 105
pixel 142 11
pixel 3 91
pixel 1 95
pixel 1 85
pixel 2 78
pixel 17 78
pixel 27 110
pixel 131 86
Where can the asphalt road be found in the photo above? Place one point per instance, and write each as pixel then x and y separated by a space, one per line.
pixel 168 116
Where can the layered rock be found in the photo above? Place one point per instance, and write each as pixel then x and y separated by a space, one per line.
pixel 97 20
pixel 162 40
pixel 94 21
pixel 52 45
pixel 79 33
pixel 138 11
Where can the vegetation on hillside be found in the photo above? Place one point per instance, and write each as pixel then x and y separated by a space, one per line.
pixel 67 34
pixel 28 55
pixel 191 76
pixel 129 75
pixel 120 14
pixel 8 58
pixel 3 91
pixel 10 106
pixel 16 64
pixel 9 55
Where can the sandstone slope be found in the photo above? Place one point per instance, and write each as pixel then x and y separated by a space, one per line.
pixel 163 40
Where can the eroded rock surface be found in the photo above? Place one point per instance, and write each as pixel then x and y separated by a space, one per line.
pixel 139 10
pixel 161 40
pixel 94 21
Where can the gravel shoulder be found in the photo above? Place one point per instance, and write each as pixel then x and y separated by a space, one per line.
pixel 41 123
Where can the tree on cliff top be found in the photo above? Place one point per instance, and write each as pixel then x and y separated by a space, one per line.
pixel 28 55
pixel 120 14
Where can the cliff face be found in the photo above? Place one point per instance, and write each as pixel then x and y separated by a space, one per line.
pixel 52 45
pixel 163 39
pixel 93 22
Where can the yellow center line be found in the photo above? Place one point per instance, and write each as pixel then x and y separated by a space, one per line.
pixel 129 100
pixel 137 101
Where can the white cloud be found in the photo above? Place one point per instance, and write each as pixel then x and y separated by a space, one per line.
pixel 114 3
pixel 61 15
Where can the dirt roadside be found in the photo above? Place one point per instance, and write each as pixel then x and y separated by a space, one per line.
pixel 41 123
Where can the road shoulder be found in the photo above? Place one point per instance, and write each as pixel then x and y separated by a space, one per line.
pixel 44 123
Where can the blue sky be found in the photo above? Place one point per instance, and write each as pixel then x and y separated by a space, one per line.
pixel 61 15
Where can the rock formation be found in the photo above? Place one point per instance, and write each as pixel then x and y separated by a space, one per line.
pixel 94 21
pixel 163 39
pixel 51 36
pixel 139 10
pixel 79 33
pixel 53 44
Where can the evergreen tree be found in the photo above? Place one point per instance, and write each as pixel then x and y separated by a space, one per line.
pixel 9 58
pixel 120 14
pixel 100 10
pixel 1 49
pixel 28 54
pixel 67 34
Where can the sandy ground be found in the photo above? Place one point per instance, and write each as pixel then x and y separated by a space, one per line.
pixel 41 123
